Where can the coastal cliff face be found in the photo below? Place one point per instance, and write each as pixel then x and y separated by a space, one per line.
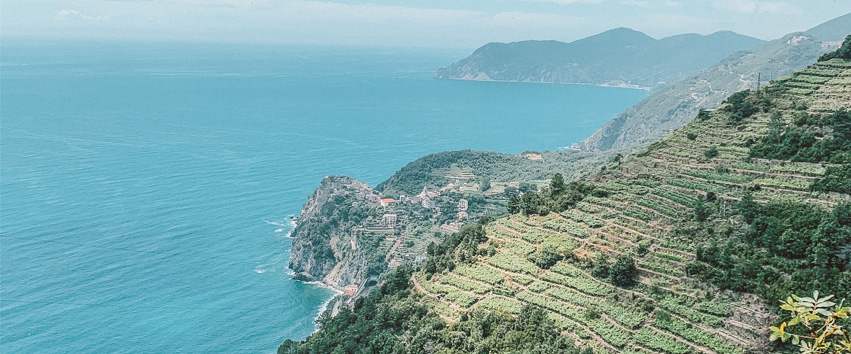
pixel 325 241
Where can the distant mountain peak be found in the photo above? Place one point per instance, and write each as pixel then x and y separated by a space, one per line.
pixel 623 31
pixel 725 33
pixel 618 34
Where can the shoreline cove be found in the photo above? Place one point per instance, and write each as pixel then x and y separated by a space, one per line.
pixel 324 308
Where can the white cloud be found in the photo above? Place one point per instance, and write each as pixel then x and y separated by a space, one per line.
pixel 66 14
pixel 753 6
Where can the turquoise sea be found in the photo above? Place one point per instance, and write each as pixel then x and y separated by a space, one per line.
pixel 146 188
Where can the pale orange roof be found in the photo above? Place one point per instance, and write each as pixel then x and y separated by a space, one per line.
pixel 388 200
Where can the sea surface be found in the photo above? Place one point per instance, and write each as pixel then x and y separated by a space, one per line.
pixel 146 189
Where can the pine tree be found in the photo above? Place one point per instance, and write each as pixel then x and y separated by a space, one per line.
pixel 747 207
pixel 775 128
pixel 514 204
pixel 701 212
pixel 557 184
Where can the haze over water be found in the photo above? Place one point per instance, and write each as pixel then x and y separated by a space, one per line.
pixel 145 187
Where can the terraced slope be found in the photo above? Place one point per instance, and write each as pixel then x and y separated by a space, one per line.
pixel 828 84
pixel 648 213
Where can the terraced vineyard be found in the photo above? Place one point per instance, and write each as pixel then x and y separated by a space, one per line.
pixel 648 213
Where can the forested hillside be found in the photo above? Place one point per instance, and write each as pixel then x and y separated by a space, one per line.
pixel 683 247
pixel 436 170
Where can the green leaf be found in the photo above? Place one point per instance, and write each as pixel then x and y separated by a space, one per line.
pixel 826 304
pixel 774 336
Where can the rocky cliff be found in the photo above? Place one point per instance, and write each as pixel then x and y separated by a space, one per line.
pixel 325 241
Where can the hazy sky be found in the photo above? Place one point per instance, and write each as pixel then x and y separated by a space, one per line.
pixel 430 23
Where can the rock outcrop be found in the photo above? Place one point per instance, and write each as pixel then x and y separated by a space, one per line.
pixel 325 241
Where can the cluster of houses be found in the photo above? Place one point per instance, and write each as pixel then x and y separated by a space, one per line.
pixel 461 186
pixel 425 198
pixel 363 191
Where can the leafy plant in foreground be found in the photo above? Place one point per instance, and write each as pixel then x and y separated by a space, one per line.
pixel 823 332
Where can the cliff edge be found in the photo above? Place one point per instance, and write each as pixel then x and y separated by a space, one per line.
pixel 325 245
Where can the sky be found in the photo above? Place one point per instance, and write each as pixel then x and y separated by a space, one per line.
pixel 412 23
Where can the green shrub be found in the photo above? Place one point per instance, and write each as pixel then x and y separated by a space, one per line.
pixel 623 272
pixel 711 153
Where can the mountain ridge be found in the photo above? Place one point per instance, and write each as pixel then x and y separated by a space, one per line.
pixel 617 57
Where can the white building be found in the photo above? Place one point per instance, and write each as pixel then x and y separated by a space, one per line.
pixel 463 204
